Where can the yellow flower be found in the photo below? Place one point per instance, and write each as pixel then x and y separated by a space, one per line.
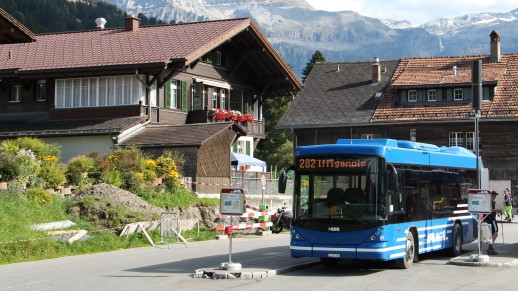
pixel 172 174
pixel 140 175
pixel 150 163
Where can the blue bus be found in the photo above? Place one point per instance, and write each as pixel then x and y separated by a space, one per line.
pixel 380 199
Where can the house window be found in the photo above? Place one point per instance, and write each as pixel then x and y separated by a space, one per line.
pixel 456 139
pixel 16 94
pixel 413 134
pixel 215 98
pixel 432 95
pixel 223 99
pixel 103 91
pixel 41 90
pixel 457 94
pixel 412 96
pixel 174 94
pixel 470 141
pixel 367 136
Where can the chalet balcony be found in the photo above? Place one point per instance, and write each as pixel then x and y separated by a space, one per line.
pixel 253 128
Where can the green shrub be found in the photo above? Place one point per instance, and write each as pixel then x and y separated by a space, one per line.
pixel 38 146
pixel 112 177
pixel 9 168
pixel 78 169
pixel 40 196
pixel 53 174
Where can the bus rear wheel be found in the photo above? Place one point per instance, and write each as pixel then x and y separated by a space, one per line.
pixel 456 246
pixel 407 261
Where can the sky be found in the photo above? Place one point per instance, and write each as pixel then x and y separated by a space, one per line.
pixel 415 11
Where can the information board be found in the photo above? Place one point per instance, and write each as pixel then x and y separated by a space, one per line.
pixel 479 201
pixel 232 201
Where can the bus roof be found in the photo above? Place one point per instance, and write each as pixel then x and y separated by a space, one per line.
pixel 402 152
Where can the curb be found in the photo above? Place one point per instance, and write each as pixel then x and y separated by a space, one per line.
pixel 217 274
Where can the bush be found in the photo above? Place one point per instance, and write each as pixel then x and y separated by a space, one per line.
pixel 9 168
pixel 76 169
pixel 53 174
pixel 40 196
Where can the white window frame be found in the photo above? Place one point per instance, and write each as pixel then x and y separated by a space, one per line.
pixel 432 95
pixel 456 139
pixel 458 94
pixel 16 94
pixel 367 136
pixel 215 97
pixel 470 140
pixel 413 134
pixel 413 95
pixel 174 94
pixel 101 91
pixel 223 99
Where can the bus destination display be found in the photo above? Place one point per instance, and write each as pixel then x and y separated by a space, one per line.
pixel 326 163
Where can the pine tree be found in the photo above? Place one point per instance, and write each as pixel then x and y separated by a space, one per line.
pixel 317 57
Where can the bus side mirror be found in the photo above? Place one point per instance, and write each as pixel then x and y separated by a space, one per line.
pixel 283 179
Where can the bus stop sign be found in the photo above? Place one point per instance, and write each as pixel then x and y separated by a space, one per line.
pixel 479 201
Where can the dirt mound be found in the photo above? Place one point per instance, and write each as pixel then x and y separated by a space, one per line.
pixel 102 203
pixel 108 205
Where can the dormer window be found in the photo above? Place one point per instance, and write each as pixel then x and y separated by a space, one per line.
pixel 412 96
pixel 458 95
pixel 432 95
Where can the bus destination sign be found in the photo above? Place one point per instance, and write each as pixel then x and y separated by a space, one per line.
pixel 326 163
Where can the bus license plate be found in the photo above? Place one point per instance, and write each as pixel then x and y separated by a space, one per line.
pixel 333 255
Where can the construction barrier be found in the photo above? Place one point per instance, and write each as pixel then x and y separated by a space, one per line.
pixel 257 213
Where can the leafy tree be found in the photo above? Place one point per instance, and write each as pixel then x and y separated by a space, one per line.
pixel 274 144
pixel 317 57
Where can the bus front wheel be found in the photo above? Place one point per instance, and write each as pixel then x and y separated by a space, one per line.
pixel 407 261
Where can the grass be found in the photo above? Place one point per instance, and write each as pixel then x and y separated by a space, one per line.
pixel 20 243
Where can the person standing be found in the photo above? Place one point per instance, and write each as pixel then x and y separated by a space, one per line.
pixel 507 209
pixel 491 219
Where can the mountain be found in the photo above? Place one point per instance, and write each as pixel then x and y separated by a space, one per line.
pixel 296 30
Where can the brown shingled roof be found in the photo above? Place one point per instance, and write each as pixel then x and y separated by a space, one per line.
pixel 117 47
pixel 174 135
pixel 438 71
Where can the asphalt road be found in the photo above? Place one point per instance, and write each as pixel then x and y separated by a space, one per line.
pixel 153 268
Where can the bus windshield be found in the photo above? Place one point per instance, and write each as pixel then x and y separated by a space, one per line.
pixel 341 188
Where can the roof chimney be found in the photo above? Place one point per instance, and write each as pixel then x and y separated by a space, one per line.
pixel 495 46
pixel 131 23
pixel 376 71
pixel 100 22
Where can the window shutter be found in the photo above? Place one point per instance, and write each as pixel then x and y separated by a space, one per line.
pixel 485 93
pixel 439 95
pixel 248 147
pixel 466 95
pixel 420 97
pixel 449 94
pixel 167 94
pixel 185 91
pixel 404 97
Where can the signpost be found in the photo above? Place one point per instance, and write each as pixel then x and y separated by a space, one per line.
pixel 232 202
pixel 480 202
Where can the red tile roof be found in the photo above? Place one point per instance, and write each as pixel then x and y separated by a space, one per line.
pixel 438 71
pixel 117 47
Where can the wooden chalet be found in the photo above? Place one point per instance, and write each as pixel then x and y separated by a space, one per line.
pixel 422 99
pixel 150 86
